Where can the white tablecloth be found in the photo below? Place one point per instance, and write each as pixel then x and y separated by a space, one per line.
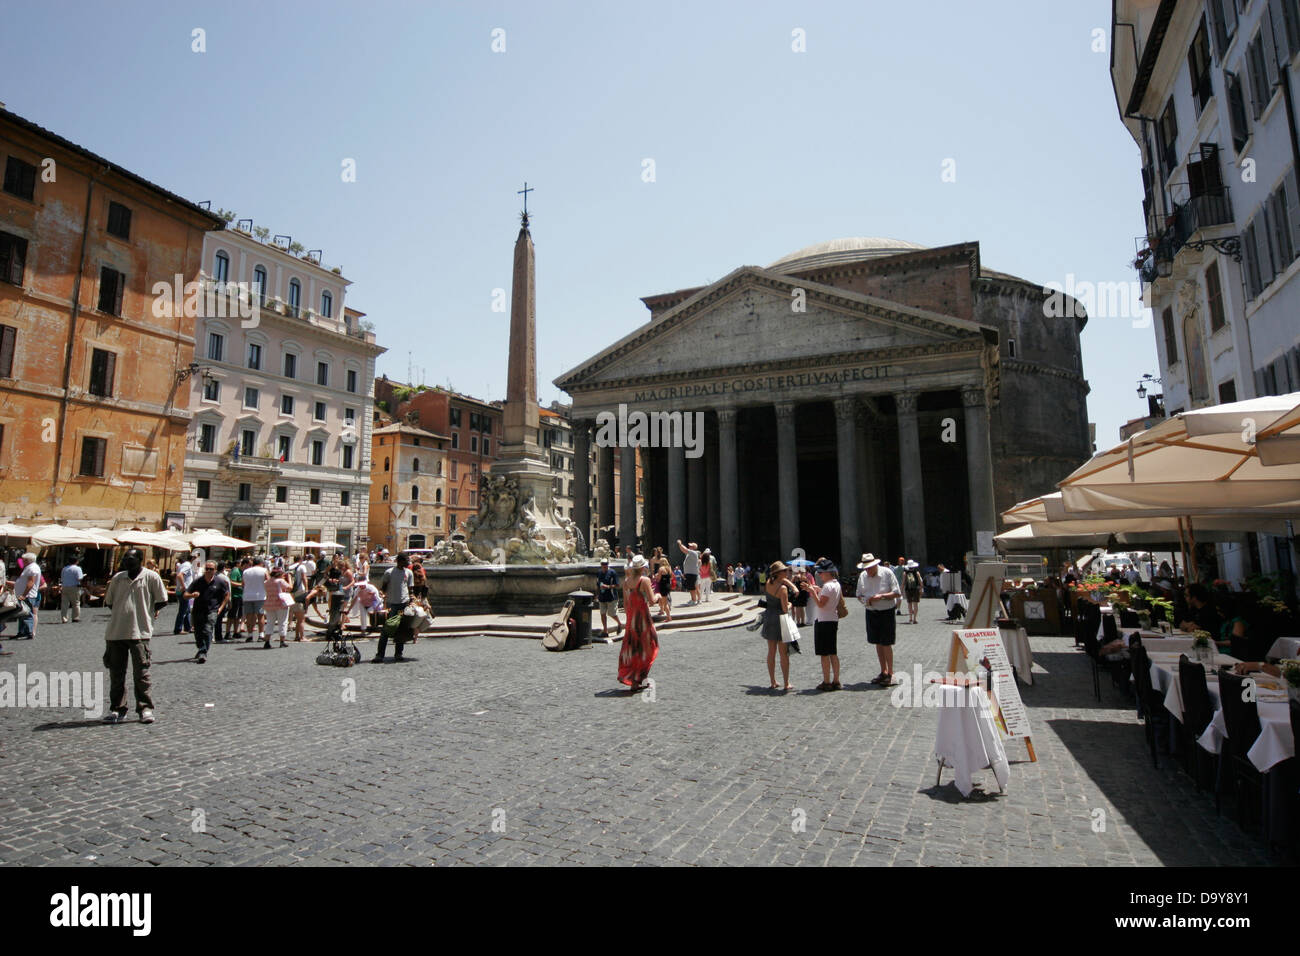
pixel 1275 743
pixel 1284 647
pixel 959 600
pixel 967 739
pixel 1016 641
pixel 1156 642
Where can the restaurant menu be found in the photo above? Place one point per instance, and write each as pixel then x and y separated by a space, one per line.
pixel 985 644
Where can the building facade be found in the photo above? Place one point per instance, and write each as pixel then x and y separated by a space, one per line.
pixel 859 394
pixel 408 506
pixel 1207 91
pixel 283 409
pixel 474 430
pixel 94 404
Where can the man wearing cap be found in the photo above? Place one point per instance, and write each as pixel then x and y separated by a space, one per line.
pixel 607 581
pixel 690 570
pixel 879 593
pixel 825 595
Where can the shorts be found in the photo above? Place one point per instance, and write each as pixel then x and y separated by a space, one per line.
pixel 688 581
pixel 826 638
pixel 608 606
pixel 253 607
pixel 880 627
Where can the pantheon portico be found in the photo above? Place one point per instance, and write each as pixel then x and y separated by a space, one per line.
pixel 850 395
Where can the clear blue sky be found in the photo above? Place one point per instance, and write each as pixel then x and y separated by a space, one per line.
pixel 758 150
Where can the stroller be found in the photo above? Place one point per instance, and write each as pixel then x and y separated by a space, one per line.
pixel 340 652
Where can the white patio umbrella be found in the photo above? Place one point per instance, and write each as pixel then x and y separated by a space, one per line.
pixel 163 540
pixel 286 544
pixel 1273 420
pixel 52 535
pixel 15 531
pixel 211 538
pixel 1165 472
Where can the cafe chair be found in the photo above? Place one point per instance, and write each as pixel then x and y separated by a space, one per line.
pixel 1198 711
pixel 1241 718
pixel 1150 704
pixel 1129 618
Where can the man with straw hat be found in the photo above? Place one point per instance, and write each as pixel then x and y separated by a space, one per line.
pixel 879 593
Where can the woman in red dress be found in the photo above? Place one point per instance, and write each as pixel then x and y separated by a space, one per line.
pixel 640 644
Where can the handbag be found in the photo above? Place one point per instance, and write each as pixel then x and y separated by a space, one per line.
pixel 789 630
pixel 841 609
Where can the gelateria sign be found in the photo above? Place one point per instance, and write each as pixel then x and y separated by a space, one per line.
pixel 769 383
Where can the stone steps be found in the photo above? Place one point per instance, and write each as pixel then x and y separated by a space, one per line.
pixel 725 610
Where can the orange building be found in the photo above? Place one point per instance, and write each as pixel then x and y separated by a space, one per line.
pixel 94 404
pixel 474 428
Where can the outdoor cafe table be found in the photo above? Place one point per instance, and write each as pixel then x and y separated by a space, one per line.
pixel 967 739
pixel 1275 742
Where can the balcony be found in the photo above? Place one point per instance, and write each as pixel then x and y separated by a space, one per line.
pixel 249 468
pixel 1184 227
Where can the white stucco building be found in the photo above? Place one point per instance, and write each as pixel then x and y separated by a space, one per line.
pixel 1207 91
pixel 279 444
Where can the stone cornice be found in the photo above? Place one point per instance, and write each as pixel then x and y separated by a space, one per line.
pixel 1034 368
pixel 971 346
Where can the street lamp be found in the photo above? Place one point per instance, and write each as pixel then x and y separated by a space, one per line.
pixel 194 368
pixel 1143 381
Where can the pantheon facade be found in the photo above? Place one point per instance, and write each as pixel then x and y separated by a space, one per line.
pixel 857 395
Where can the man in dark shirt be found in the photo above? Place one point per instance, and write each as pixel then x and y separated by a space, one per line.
pixel 1203 616
pixel 211 594
pixel 607 580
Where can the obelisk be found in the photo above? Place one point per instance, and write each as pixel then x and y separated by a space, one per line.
pixel 521 420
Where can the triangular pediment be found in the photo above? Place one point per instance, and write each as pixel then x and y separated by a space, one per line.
pixel 754 317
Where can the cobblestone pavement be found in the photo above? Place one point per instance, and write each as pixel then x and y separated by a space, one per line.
pixel 491 750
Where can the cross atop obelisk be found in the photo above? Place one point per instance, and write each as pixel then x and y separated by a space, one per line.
pixel 524 192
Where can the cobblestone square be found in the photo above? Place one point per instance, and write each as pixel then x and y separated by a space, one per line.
pixel 488 750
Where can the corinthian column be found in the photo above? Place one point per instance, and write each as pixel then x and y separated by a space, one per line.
pixel 979 462
pixel 582 478
pixel 909 455
pixel 846 455
pixel 728 486
pixel 787 477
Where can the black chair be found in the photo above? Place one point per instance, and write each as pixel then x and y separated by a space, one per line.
pixel 1292 768
pixel 1198 711
pixel 1087 619
pixel 1241 718
pixel 1129 618
pixel 1150 704
pixel 1118 667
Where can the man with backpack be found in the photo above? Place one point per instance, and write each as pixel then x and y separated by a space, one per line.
pixel 397 584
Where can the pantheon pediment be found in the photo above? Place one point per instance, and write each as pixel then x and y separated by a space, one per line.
pixel 755 319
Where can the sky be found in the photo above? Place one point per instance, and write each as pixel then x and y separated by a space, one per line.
pixel 757 149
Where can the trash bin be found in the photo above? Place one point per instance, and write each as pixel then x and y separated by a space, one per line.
pixel 582 619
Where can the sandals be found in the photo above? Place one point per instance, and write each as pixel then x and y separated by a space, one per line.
pixel 836 685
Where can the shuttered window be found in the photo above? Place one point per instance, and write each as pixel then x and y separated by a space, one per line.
pixel 111 285
pixel 119 220
pixel 92 457
pixel 13 258
pixel 20 178
pixel 8 342
pixel 103 365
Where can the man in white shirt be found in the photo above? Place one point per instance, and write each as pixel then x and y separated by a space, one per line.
pixel 70 591
pixel 690 570
pixel 879 592
pixel 135 595
pixel 255 600
pixel 28 588
pixel 183 579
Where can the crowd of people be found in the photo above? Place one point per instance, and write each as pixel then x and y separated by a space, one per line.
pixel 792 596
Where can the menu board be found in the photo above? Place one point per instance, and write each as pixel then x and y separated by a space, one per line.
pixel 972 647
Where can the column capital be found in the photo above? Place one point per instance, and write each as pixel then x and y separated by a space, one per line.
pixel 906 402
pixel 846 410
pixel 784 412
pixel 727 416
pixel 972 396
